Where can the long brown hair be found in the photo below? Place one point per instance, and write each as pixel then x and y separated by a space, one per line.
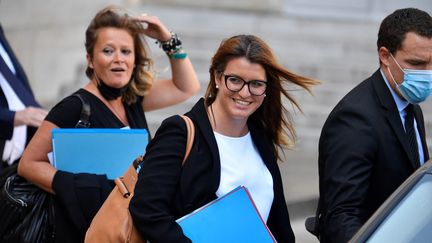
pixel 272 115
pixel 115 17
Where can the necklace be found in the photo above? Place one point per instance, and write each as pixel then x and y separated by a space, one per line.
pixel 92 88
pixel 123 119
pixel 225 128
pixel 211 117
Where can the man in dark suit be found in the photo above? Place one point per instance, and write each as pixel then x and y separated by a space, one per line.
pixel 20 114
pixel 365 148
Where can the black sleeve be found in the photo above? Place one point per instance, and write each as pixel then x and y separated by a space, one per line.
pixel 66 113
pixel 6 123
pixel 347 148
pixel 279 220
pixel 157 183
pixel 78 197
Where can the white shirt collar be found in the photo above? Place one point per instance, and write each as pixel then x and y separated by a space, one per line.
pixel 400 103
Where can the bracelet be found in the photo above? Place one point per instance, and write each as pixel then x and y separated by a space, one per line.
pixel 171 46
pixel 178 55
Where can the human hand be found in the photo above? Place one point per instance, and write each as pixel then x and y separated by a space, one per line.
pixel 30 116
pixel 154 28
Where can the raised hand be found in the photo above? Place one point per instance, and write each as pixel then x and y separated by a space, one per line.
pixel 154 28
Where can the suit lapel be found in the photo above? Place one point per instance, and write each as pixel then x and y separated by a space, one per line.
pixel 421 128
pixel 396 124
pixel 17 81
pixel 392 113
pixel 259 140
pixel 199 114
pixel 20 74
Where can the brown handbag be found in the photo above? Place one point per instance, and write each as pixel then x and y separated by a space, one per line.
pixel 113 222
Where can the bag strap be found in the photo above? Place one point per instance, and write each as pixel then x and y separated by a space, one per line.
pixel 190 140
pixel 126 183
pixel 190 136
pixel 84 121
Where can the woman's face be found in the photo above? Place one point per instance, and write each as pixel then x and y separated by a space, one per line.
pixel 113 57
pixel 241 104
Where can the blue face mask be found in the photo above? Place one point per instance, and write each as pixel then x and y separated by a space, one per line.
pixel 416 86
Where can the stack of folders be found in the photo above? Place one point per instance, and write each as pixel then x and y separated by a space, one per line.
pixel 97 150
pixel 231 218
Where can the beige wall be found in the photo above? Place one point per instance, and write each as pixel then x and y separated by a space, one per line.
pixel 48 36
pixel 260 5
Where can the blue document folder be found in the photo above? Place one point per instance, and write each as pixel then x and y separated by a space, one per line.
pixel 231 218
pixel 97 151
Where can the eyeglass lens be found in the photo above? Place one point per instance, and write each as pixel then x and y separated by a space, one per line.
pixel 235 84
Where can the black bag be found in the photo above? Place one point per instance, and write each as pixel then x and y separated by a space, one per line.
pixel 26 212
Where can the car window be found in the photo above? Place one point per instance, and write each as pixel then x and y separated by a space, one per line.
pixel 411 219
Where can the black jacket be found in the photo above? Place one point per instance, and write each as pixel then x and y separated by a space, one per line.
pixel 166 191
pixel 363 157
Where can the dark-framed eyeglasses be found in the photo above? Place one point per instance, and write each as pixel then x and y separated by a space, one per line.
pixel 235 84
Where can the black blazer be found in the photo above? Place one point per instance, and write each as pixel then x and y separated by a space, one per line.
pixel 363 157
pixel 166 191
pixel 6 115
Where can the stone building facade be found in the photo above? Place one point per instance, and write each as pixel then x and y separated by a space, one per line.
pixel 333 41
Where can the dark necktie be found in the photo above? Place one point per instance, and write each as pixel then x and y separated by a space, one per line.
pixel 410 132
pixel 22 92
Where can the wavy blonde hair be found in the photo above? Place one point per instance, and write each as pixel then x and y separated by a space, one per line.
pixel 116 17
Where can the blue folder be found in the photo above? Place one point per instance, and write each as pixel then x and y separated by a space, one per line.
pixel 231 218
pixel 97 150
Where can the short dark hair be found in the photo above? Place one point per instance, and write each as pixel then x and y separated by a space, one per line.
pixel 394 27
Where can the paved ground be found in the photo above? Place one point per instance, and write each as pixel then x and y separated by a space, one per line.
pixel 302 236
pixel 300 176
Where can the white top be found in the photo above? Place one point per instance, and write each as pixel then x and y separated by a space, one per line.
pixel 241 164
pixel 14 147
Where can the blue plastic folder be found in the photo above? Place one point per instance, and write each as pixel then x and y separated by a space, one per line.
pixel 231 218
pixel 97 150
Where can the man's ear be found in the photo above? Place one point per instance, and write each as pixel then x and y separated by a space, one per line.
pixel 384 55
pixel 89 61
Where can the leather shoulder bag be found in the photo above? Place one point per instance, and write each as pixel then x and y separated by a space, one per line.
pixel 113 222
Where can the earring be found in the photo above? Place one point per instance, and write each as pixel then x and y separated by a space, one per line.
pixel 217 86
pixel 265 95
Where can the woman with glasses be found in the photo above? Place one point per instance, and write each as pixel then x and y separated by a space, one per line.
pixel 240 125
